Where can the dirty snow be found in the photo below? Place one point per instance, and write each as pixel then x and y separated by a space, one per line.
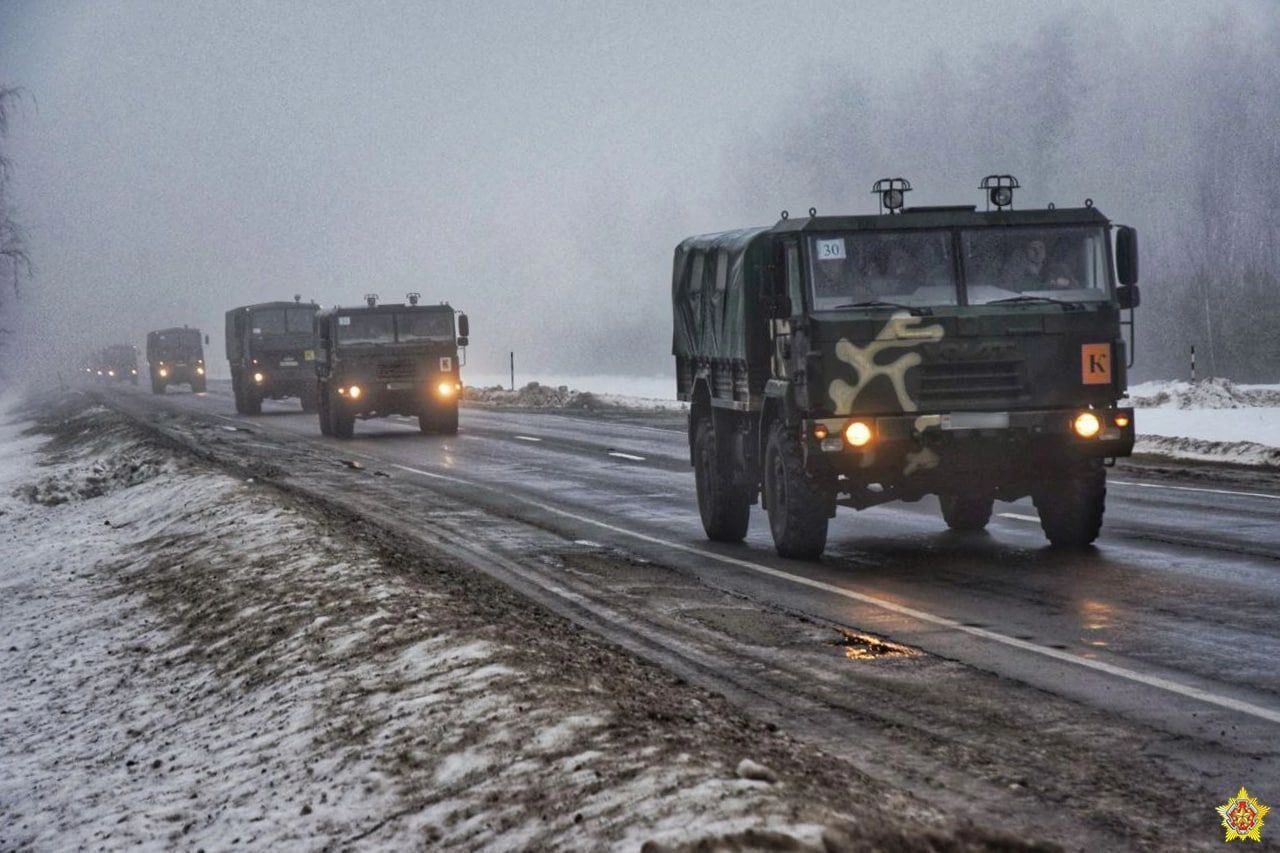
pixel 534 395
pixel 1213 420
pixel 189 661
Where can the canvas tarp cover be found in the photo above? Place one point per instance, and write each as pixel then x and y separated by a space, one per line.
pixel 715 291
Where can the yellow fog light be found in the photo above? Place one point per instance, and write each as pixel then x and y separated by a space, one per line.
pixel 258 377
pixel 1122 421
pixel 858 434
pixel 447 389
pixel 820 432
pixel 1086 425
pixel 354 392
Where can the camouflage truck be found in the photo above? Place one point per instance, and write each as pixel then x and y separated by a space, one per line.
pixel 175 357
pixel 118 363
pixel 271 350
pixel 856 360
pixel 380 360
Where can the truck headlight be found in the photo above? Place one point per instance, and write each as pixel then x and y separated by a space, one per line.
pixel 111 373
pixel 354 392
pixel 164 371
pixel 200 371
pixel 447 389
pixel 259 378
pixel 1086 425
pixel 858 434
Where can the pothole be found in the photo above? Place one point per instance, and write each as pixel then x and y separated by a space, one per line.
pixel 867 647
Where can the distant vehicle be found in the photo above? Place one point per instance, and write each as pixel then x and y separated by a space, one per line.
pixel 174 357
pixel 271 349
pixel 118 363
pixel 380 360
pixel 856 360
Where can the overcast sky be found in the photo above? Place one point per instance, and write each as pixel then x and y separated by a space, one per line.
pixel 532 163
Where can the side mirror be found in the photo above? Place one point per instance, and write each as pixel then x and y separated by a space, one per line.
pixel 1127 255
pixel 1128 296
pixel 464 329
pixel 206 340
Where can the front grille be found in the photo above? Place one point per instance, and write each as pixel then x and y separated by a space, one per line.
pixel 970 381
pixel 396 370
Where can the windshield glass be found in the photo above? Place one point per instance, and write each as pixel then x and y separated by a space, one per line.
pixel 908 268
pixel 1065 263
pixel 424 325
pixel 282 321
pixel 366 329
pixel 178 342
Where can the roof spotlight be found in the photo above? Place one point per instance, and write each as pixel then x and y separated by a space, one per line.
pixel 999 190
pixel 413 297
pixel 891 192
pixel 371 299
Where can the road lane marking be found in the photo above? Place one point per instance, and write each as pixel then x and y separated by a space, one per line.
pixel 526 438
pixel 1017 516
pixel 1193 489
pixel 1185 690
pixel 620 455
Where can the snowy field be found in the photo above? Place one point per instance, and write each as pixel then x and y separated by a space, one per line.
pixel 190 662
pixel 1211 420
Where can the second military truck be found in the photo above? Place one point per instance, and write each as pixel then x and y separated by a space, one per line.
pixel 379 360
pixel 174 357
pixel 272 354
pixel 854 360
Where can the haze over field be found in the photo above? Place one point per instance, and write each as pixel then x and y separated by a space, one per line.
pixel 535 164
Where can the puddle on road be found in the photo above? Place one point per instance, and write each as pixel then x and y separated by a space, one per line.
pixel 866 647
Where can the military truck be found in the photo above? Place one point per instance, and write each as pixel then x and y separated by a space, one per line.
pixel 176 357
pixel 380 360
pixel 855 360
pixel 271 350
pixel 118 363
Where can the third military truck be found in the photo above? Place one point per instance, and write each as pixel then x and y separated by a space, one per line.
pixel 272 353
pixel 854 360
pixel 382 359
pixel 175 357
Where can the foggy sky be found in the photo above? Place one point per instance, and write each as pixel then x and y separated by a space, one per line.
pixel 532 163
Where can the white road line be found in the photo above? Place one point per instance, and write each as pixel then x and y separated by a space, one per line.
pixel 526 438
pixel 1269 714
pixel 1017 516
pixel 619 454
pixel 1193 489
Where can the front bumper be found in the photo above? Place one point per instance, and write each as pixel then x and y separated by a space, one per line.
pixel 995 444
pixel 402 397
pixel 284 382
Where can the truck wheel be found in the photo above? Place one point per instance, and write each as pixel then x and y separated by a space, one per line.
pixel 157 386
pixel 342 422
pixel 252 401
pixel 199 386
pixel 799 506
pixel 1071 505
pixel 724 507
pixel 966 512
pixel 322 409
pixel 308 398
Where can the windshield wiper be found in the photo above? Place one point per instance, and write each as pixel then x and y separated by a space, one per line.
pixel 1025 298
pixel 880 303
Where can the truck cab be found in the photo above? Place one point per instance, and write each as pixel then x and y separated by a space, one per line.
pixel 174 357
pixel 272 353
pixel 118 363
pixel 378 360
pixel 854 360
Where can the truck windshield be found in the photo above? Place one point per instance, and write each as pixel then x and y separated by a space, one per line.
pixel 366 329
pixel 1065 263
pixel 424 325
pixel 180 342
pixel 282 321
pixel 915 268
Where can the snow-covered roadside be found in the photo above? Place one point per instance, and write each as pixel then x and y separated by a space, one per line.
pixel 537 396
pixel 1212 420
pixel 189 662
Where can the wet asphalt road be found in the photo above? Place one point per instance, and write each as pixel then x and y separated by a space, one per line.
pixel 1173 620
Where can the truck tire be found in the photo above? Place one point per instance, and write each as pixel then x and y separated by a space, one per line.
pixel 322 409
pixel 308 399
pixel 724 507
pixel 799 506
pixel 1071 505
pixel 969 512
pixel 252 401
pixel 199 386
pixel 157 385
pixel 441 421
pixel 342 422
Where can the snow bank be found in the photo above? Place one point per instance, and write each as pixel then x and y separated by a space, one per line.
pixel 537 396
pixel 191 662
pixel 1204 394
pixel 1213 420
